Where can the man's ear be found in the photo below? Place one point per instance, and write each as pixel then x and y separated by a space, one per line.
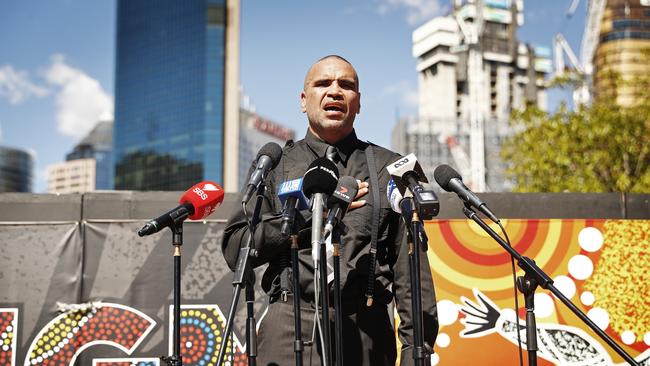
pixel 303 102
pixel 359 109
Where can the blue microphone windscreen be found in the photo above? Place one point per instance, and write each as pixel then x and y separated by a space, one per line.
pixel 293 188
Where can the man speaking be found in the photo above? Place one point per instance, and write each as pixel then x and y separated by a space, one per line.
pixel 331 100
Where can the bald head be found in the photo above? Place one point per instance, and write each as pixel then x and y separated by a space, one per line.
pixel 310 73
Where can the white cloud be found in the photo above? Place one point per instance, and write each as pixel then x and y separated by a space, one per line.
pixel 417 11
pixel 403 89
pixel 16 85
pixel 80 99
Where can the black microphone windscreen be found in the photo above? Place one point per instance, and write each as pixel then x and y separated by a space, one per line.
pixel 273 151
pixel 322 176
pixel 443 174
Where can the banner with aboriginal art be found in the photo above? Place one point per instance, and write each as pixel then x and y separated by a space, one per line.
pixel 92 292
pixel 602 266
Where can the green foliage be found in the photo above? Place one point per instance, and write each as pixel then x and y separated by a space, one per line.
pixel 566 80
pixel 600 148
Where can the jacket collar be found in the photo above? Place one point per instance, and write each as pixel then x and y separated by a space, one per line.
pixel 345 146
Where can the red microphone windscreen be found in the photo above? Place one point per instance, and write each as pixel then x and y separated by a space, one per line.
pixel 205 197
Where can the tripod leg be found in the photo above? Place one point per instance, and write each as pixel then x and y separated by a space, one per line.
pixel 325 319
pixel 297 346
pixel 251 333
pixel 338 311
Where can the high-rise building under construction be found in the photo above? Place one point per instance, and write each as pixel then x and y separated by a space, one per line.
pixel 622 57
pixel 472 72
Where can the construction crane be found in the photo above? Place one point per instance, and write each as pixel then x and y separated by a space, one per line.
pixel 460 157
pixel 576 76
pixel 595 10
pixel 583 68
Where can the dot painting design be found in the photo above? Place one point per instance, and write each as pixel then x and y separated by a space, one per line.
pixel 201 333
pixel 80 326
pixel 8 319
pixel 619 286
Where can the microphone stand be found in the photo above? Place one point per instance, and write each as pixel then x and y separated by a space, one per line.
pixel 244 277
pixel 338 310
pixel 317 240
pixel 416 241
pixel 177 241
pixel 295 274
pixel 535 276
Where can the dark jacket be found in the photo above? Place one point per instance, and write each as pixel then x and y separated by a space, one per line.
pixel 391 272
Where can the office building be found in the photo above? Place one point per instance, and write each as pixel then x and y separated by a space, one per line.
pixel 16 170
pixel 74 176
pixel 98 145
pixel 176 69
pixel 88 167
pixel 255 132
pixel 472 72
pixel 622 57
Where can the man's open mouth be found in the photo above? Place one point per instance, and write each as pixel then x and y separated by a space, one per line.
pixel 334 108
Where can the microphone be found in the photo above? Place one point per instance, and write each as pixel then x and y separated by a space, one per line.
pixel 322 176
pixel 407 173
pixel 267 158
pixel 292 199
pixel 405 205
pixel 394 196
pixel 320 179
pixel 339 202
pixel 197 203
pixel 451 181
pixel 397 200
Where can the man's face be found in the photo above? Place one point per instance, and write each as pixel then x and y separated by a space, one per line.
pixel 331 99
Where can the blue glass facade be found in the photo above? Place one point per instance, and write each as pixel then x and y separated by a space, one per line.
pixel 97 145
pixel 169 93
pixel 15 170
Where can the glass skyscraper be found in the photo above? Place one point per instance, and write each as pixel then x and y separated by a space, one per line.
pixel 97 145
pixel 16 168
pixel 169 93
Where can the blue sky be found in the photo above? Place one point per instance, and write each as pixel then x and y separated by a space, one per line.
pixel 57 62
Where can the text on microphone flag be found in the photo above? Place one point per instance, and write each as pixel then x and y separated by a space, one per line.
pixel 290 186
pixel 205 197
pixel 320 167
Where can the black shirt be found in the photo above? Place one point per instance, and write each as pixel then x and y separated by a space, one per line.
pixel 391 271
